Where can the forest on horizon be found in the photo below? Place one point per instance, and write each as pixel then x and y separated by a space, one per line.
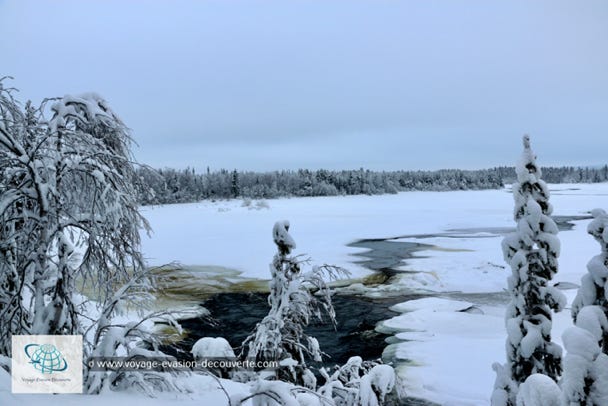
pixel 167 186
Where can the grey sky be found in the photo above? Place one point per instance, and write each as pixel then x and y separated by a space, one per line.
pixel 382 84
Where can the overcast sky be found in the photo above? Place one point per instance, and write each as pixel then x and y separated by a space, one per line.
pixel 266 85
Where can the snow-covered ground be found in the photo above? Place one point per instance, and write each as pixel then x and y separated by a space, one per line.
pixel 450 352
pixel 201 390
pixel 227 234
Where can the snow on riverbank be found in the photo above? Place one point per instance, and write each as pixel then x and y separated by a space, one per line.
pixel 451 351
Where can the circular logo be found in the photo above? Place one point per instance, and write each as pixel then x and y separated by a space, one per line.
pixel 46 358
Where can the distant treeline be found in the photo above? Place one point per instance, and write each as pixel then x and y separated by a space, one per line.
pixel 561 174
pixel 182 186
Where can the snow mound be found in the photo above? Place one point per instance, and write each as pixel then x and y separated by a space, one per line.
pixel 539 390
pixel 212 347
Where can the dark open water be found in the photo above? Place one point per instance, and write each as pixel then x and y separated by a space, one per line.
pixel 235 314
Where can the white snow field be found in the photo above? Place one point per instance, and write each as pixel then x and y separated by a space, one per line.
pixel 226 234
pixel 449 353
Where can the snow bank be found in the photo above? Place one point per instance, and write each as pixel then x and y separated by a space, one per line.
pixel 447 352
pixel 539 390
pixel 212 347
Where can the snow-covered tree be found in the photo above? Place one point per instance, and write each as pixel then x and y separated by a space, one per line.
pixel 532 252
pixel 69 218
pixel 68 210
pixel 280 335
pixel 358 382
pixel 235 188
pixel 109 335
pixel 593 290
pixel 585 378
pixel 18 129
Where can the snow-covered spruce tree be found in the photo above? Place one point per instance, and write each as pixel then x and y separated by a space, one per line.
pixel 585 378
pixel 532 252
pixel 593 290
pixel 280 335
